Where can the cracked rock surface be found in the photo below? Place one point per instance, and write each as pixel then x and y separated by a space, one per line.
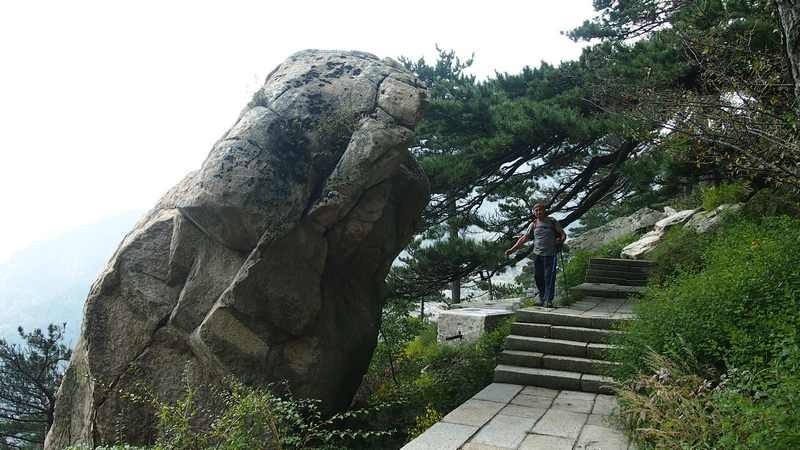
pixel 266 264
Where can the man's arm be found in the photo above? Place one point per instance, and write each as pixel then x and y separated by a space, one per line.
pixel 522 239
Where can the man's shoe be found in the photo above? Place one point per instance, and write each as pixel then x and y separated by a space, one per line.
pixel 549 305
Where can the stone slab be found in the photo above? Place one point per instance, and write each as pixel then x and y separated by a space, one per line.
pixel 498 392
pixel 532 401
pixel 531 329
pixel 556 422
pixel 605 405
pixel 561 317
pixel 597 351
pixel 597 383
pixel 442 436
pixel 543 442
pixel 520 358
pixel 539 391
pixel 468 324
pixel 580 334
pixel 545 345
pixel 579 402
pixel 473 413
pixel 477 446
pixel 504 431
pixel 576 395
pixel 575 364
pixel 523 411
pixel 600 421
pixel 594 437
pixel 554 379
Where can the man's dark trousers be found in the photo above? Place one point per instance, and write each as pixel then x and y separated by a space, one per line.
pixel 544 271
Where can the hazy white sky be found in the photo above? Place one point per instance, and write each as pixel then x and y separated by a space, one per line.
pixel 104 105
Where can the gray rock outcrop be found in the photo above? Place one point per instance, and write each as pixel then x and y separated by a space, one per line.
pixel 268 263
pixel 650 240
pixel 705 221
pixel 597 237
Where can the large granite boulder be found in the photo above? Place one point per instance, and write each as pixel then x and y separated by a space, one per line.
pixel 597 237
pixel 268 263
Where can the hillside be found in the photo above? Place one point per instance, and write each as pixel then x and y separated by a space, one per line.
pixel 48 281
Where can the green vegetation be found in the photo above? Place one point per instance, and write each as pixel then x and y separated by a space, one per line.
pixel 30 375
pixel 412 382
pixel 712 361
pixel 725 193
pixel 425 379
pixel 251 417
pixel 680 250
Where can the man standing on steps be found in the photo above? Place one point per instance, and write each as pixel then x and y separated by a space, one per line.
pixel 547 236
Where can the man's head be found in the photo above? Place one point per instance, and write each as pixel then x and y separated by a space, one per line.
pixel 539 211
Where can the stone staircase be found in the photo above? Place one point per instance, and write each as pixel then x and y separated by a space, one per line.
pixel 566 348
pixel 614 278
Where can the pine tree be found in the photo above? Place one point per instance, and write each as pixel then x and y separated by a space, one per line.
pixel 30 375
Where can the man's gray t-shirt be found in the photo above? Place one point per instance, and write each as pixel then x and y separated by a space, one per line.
pixel 544 234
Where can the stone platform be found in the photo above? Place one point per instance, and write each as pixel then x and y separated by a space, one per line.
pixel 511 416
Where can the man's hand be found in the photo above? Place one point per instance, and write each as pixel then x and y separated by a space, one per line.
pixel 509 252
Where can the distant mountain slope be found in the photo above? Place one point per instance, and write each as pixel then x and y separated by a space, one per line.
pixel 48 281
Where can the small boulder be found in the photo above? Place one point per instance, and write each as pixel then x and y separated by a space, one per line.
pixel 468 324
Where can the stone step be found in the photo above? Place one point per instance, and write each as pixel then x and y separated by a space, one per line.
pixel 634 271
pixel 569 333
pixel 535 360
pixel 581 334
pixel 559 317
pixel 607 290
pixel 520 358
pixel 627 263
pixel 554 379
pixel 613 272
pixel 609 280
pixel 556 347
pixel 575 364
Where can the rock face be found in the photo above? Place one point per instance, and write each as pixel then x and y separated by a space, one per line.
pixel 597 237
pixel 650 240
pixel 268 263
pixel 708 220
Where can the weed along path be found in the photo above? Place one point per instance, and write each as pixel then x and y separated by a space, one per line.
pixel 550 389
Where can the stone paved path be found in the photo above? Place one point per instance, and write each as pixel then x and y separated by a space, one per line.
pixel 510 416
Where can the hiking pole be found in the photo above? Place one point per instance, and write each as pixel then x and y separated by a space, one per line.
pixel 563 268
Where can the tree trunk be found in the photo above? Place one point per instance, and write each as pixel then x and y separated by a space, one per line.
pixel 789 13
pixel 455 285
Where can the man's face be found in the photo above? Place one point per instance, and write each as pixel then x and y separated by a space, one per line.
pixel 538 210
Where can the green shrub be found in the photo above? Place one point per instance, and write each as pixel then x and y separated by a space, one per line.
pixel 734 310
pixel 667 406
pixel 737 314
pixel 759 407
pixel 424 421
pixel 431 377
pixel 671 406
pixel 724 193
pixel 773 202
pixel 680 249
pixel 253 417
